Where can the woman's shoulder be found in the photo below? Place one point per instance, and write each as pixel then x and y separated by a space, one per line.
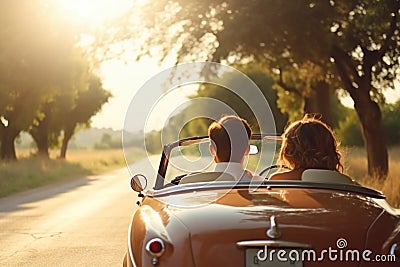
pixel 287 175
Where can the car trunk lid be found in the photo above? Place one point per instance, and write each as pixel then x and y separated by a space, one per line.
pixel 219 221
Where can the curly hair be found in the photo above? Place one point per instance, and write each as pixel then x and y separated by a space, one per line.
pixel 310 143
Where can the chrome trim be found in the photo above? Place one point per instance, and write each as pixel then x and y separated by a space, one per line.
pixel 130 246
pixel 393 249
pixel 285 184
pixel 272 243
pixel 274 231
pixel 162 247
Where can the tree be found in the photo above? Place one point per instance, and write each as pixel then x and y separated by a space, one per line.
pixel 391 115
pixel 350 132
pixel 307 85
pixel 356 43
pixel 86 104
pixel 238 105
pixel 49 123
pixel 43 131
pixel 195 118
pixel 309 94
pixel 33 61
pixel 106 142
pixel 367 58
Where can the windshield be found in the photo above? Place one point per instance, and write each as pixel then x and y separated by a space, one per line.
pixel 195 156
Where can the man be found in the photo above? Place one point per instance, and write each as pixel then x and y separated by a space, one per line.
pixel 229 145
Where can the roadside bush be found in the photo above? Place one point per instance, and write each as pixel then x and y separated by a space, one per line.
pixel 349 130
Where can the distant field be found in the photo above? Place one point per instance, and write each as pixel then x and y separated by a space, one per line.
pixel 32 171
pixel 355 162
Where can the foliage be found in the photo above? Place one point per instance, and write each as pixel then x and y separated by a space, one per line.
pixel 107 142
pixel 354 43
pixel 32 60
pixel 45 81
pixel 87 103
pixel 391 115
pixel 292 34
pixel 47 126
pixel 194 119
pixel 237 103
pixel 293 105
pixel 349 131
pixel 153 142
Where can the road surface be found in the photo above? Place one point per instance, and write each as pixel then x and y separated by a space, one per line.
pixel 79 223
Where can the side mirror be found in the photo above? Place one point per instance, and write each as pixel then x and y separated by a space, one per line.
pixel 139 182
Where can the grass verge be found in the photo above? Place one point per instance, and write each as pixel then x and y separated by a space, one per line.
pixel 355 160
pixel 33 171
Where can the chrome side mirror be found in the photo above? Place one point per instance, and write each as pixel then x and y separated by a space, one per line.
pixel 139 182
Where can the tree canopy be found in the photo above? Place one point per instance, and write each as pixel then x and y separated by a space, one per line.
pixel 354 43
pixel 41 70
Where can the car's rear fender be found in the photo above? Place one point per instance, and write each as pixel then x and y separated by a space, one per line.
pixel 147 224
pixel 384 232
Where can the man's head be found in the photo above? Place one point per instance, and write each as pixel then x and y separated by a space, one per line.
pixel 229 139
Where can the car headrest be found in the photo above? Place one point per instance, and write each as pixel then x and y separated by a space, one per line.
pixel 325 176
pixel 206 177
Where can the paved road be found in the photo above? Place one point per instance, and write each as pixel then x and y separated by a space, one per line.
pixel 79 223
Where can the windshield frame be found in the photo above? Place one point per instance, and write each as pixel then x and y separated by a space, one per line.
pixel 160 189
pixel 167 149
pixel 267 184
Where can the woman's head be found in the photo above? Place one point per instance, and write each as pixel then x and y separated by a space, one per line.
pixel 310 143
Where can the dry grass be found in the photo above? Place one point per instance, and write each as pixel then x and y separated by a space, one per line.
pixel 355 161
pixel 97 160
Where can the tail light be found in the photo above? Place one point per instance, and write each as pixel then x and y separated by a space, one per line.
pixel 155 247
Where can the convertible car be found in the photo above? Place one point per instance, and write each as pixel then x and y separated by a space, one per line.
pixel 190 215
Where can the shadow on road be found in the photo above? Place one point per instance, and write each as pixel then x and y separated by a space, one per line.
pixel 17 201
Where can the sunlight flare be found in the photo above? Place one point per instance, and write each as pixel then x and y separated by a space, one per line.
pixel 93 12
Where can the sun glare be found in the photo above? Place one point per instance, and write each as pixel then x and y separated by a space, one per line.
pixel 93 13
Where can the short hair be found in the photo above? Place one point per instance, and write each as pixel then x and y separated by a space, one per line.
pixel 230 137
pixel 310 143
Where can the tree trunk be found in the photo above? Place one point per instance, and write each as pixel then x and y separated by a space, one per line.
pixel 41 137
pixel 368 111
pixel 42 145
pixel 64 146
pixel 318 102
pixel 40 132
pixel 373 134
pixel 68 132
pixel 7 136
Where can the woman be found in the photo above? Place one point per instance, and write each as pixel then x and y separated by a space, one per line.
pixel 308 144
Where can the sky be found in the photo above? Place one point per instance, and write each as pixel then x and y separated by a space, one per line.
pixel 123 78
